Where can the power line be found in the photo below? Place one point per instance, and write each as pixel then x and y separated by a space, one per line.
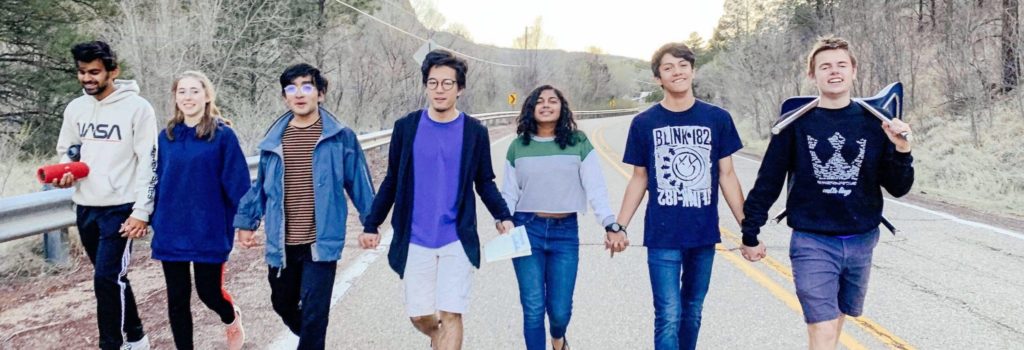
pixel 425 40
pixel 401 8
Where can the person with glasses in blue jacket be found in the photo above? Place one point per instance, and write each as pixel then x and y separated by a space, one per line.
pixel 309 159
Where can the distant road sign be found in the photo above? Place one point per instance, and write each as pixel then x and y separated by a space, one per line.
pixel 422 52
pixel 512 99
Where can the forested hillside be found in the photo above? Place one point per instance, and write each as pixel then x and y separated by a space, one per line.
pixel 959 61
pixel 244 45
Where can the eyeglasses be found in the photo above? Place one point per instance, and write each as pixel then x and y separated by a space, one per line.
pixel 307 89
pixel 446 84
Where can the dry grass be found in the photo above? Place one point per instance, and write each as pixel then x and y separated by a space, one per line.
pixel 24 258
pixel 986 175
pixel 20 178
pixel 17 175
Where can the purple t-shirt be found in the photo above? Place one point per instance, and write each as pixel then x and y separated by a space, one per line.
pixel 436 155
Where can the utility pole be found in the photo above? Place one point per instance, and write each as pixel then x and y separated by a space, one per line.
pixel 526 38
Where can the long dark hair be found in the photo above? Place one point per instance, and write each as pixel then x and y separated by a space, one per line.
pixel 565 129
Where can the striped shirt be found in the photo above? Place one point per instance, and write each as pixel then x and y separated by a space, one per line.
pixel 298 144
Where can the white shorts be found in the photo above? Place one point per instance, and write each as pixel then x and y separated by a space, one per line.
pixel 437 280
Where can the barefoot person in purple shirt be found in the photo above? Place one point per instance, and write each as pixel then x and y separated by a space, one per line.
pixel 437 157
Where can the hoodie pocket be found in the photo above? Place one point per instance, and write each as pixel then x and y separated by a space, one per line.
pixel 97 188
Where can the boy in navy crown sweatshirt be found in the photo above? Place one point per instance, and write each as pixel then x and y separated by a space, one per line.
pixel 836 159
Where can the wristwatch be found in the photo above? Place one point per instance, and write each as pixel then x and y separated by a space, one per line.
pixel 615 227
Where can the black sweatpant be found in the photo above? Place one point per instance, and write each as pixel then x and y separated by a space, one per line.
pixel 301 294
pixel 210 287
pixel 116 313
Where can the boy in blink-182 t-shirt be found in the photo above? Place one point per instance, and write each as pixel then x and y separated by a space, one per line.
pixel 681 151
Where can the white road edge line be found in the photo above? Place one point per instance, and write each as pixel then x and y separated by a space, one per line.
pixel 940 214
pixel 287 340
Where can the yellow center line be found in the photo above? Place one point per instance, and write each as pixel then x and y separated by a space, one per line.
pixel 779 292
pixel 871 327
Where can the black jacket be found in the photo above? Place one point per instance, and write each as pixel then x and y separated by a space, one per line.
pixel 397 189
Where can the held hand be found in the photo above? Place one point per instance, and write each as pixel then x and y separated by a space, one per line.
pixel 133 228
pixel 369 240
pixel 893 130
pixel 753 254
pixel 615 242
pixel 65 181
pixel 505 227
pixel 623 243
pixel 247 238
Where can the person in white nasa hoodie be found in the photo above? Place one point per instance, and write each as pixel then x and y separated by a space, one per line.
pixel 116 130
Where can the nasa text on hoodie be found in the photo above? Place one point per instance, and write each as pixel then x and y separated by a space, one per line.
pixel 118 137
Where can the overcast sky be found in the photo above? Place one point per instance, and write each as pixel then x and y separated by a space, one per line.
pixel 633 28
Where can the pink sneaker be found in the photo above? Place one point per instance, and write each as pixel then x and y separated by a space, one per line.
pixel 235 332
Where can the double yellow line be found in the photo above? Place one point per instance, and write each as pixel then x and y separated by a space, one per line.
pixel 871 327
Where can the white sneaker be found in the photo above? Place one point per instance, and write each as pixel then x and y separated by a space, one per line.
pixel 141 344
pixel 235 333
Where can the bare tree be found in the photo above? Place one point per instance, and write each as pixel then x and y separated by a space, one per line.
pixel 1008 39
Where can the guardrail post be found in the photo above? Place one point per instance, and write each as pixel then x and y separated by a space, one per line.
pixel 55 244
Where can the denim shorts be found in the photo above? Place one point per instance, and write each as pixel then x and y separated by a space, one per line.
pixel 831 273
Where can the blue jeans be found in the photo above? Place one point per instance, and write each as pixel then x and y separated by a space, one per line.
pixel 547 277
pixel 679 281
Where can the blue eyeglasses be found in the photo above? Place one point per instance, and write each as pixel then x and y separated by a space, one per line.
pixel 307 89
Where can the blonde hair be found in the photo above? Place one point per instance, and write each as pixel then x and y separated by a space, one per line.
pixel 829 43
pixel 211 114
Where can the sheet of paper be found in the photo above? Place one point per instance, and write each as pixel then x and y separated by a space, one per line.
pixel 508 246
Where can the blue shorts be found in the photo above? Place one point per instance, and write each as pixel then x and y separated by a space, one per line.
pixel 831 273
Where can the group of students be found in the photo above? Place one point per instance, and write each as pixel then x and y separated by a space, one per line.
pixel 192 185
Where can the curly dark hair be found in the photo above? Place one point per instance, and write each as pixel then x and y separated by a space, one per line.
pixel 95 50
pixel 565 130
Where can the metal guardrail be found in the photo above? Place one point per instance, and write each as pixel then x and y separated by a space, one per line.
pixel 35 213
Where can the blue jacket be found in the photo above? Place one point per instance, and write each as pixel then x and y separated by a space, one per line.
pixel 199 183
pixel 338 163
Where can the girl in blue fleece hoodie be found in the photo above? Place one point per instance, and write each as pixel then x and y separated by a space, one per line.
pixel 201 175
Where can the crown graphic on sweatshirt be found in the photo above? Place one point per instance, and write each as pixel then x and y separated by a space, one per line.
pixel 837 168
